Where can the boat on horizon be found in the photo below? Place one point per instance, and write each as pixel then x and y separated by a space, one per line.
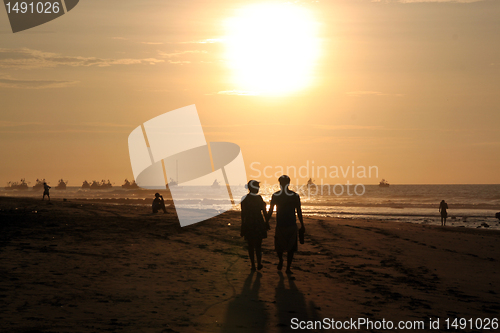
pixel 62 184
pixel 130 185
pixel 102 185
pixel 85 185
pixel 17 185
pixel 39 184
pixel 172 183
pixel 215 184
pixel 384 183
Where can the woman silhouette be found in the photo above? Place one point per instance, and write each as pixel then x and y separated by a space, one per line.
pixel 253 227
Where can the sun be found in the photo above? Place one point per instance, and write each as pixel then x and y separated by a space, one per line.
pixel 272 48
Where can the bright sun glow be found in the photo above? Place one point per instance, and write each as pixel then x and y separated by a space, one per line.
pixel 272 48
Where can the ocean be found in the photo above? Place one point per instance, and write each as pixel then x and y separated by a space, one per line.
pixel 471 206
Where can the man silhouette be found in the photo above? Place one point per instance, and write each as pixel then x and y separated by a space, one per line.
pixel 46 189
pixel 158 203
pixel 287 204
pixel 443 206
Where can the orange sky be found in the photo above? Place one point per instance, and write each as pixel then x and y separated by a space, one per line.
pixel 410 87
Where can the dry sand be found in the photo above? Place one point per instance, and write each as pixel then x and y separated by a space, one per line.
pixel 80 266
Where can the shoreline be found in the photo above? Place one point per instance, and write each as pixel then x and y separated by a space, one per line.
pixel 458 217
pixel 80 266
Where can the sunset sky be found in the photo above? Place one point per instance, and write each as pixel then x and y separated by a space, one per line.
pixel 411 87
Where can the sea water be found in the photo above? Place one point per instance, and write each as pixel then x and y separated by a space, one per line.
pixel 471 206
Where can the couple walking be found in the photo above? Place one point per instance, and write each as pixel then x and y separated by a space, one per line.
pixel 255 222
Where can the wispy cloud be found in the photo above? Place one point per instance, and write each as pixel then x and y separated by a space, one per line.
pixel 236 92
pixel 187 56
pixel 29 59
pixel 347 127
pixel 95 124
pixel 180 53
pixel 370 93
pixel 8 82
pixel 204 41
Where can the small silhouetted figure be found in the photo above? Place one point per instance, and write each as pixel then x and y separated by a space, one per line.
pixel 158 203
pixel 46 189
pixel 253 227
pixel 443 206
pixel 287 204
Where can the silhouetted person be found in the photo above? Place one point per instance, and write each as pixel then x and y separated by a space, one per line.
pixel 253 227
pixel 443 206
pixel 46 189
pixel 287 204
pixel 158 203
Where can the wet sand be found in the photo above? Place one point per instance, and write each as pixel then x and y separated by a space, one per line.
pixel 80 266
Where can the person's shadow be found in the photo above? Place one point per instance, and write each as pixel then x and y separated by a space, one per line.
pixel 291 303
pixel 246 313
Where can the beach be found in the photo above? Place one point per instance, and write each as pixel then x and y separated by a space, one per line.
pixel 90 266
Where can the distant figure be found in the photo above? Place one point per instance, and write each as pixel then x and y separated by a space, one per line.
pixel 158 203
pixel 443 206
pixel 253 227
pixel 46 189
pixel 287 204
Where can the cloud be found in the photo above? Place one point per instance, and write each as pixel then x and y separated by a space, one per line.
pixel 8 82
pixel 177 54
pixel 29 59
pixel 95 124
pixel 152 43
pixel 347 127
pixel 179 62
pixel 180 53
pixel 236 92
pixel 370 93
pixel 204 41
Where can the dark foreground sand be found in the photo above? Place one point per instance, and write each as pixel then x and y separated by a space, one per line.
pixel 78 266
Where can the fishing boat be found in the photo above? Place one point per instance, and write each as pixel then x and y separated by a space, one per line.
pixel 102 185
pixel 39 184
pixel 85 185
pixel 129 185
pixel 62 185
pixel 106 184
pixel 215 184
pixel 383 183
pixel 172 182
pixel 17 185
